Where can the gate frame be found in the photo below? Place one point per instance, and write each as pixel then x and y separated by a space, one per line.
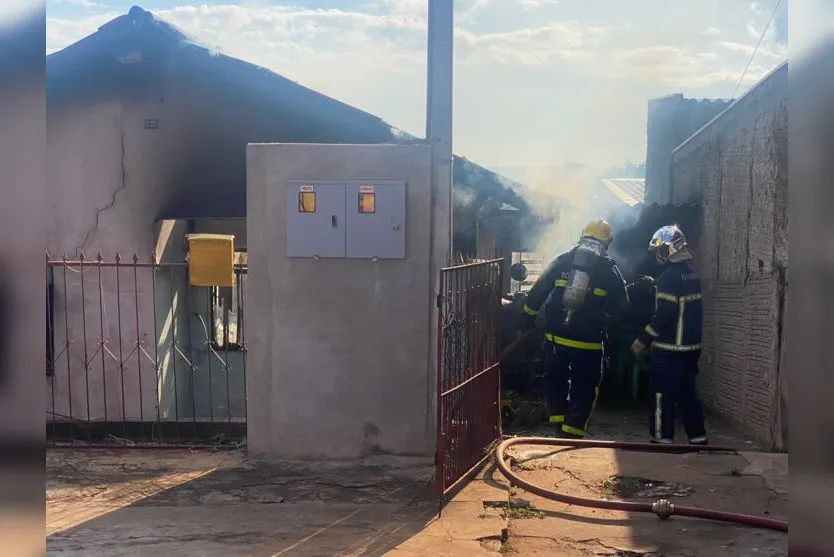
pixel 164 433
pixel 493 367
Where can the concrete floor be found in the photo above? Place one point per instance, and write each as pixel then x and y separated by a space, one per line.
pixel 182 503
pixel 197 503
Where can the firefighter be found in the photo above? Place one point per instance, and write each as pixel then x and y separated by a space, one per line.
pixel 674 337
pixel 576 293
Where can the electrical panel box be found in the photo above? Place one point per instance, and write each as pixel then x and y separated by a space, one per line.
pixel 375 220
pixel 316 219
pixel 348 219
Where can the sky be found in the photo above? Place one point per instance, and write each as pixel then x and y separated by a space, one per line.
pixel 537 82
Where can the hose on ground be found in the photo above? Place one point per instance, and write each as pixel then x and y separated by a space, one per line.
pixel 662 507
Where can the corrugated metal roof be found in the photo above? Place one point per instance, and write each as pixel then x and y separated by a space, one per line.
pixel 631 191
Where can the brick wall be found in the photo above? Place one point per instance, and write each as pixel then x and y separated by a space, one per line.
pixel 737 169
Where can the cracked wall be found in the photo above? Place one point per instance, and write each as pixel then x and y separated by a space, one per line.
pixel 737 169
pixel 111 176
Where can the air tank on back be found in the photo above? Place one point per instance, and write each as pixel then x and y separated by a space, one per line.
pixel 585 259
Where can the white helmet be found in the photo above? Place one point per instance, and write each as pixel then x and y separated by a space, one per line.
pixel 666 242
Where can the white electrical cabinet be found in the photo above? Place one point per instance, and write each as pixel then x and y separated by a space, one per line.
pixel 351 219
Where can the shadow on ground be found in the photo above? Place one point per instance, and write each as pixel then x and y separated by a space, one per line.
pixel 750 482
pixel 189 503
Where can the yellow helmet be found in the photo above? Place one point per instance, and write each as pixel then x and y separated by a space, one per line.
pixel 598 229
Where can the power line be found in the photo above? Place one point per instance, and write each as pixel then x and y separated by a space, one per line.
pixel 755 50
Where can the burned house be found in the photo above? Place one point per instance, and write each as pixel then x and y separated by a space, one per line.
pixel 146 135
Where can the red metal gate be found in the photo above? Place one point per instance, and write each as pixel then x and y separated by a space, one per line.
pixel 468 379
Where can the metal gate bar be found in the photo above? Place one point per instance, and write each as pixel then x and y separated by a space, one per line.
pixel 468 378
pixel 136 356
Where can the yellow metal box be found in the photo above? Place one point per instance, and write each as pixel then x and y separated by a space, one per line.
pixel 211 259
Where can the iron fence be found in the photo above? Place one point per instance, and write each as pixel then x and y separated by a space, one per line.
pixel 136 356
pixel 468 379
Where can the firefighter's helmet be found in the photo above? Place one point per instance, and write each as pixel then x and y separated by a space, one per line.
pixel 666 242
pixel 599 229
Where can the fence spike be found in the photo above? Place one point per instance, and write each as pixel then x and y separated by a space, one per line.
pixel 135 257
pixel 64 257
pixel 99 258
pixel 118 258
pixel 153 258
pixel 47 255
pixel 81 255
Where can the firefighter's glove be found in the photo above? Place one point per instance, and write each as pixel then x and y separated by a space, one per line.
pixel 637 347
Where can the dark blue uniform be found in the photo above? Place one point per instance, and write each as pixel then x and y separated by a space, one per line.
pixel 675 338
pixel 573 352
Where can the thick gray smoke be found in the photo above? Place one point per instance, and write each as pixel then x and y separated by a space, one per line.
pixel 580 197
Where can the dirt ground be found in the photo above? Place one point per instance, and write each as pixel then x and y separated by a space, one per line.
pixel 199 503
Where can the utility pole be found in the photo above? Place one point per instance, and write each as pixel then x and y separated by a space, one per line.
pixel 439 79
pixel 441 28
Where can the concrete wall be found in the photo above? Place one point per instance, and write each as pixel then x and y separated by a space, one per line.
pixel 671 120
pixel 340 359
pixel 737 168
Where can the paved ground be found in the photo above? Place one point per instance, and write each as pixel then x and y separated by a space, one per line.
pixel 182 503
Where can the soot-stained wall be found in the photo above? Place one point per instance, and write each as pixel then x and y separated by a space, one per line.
pixel 671 120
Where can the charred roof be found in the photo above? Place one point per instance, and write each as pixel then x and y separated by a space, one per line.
pixel 136 52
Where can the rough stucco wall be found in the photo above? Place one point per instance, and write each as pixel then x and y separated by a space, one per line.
pixel 104 197
pixel 339 356
pixel 737 168
pixel 671 120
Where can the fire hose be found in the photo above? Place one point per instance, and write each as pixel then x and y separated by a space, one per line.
pixel 662 507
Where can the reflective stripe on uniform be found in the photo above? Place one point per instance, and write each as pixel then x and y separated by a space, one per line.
pixel 572 430
pixel 658 414
pixel 650 330
pixel 676 347
pixel 557 419
pixel 681 311
pixel 573 343
pixel 698 440
pixel 679 331
pixel 530 311
pixel 562 283
pixel 667 297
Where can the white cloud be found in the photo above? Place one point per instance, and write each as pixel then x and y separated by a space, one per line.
pixel 749 49
pixel 673 66
pixel 530 73
pixel 79 3
pixel 757 8
pixel 533 46
pixel 536 4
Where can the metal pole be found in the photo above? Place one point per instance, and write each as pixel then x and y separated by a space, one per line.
pixel 439 136
pixel 439 97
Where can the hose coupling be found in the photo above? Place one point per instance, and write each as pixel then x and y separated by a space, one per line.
pixel 663 508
